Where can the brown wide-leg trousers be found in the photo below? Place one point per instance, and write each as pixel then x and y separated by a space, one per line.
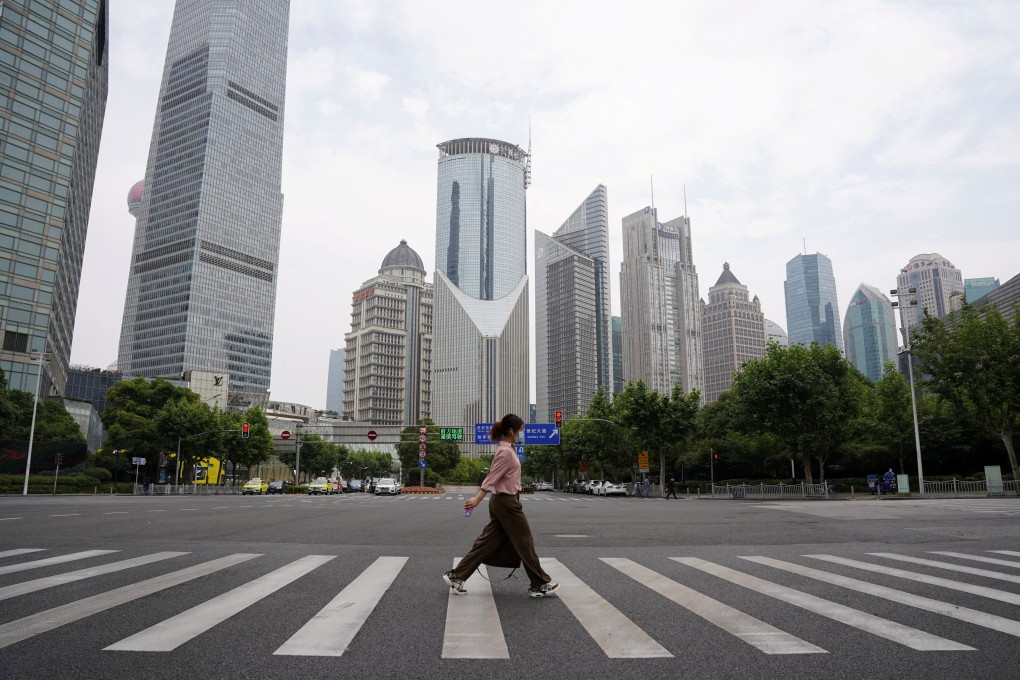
pixel 506 523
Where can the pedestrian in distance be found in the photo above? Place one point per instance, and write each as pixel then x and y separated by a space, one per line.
pixel 633 489
pixel 507 522
pixel 671 488
pixel 647 484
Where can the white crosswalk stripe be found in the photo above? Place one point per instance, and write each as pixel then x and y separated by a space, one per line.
pixel 170 634
pixel 768 639
pixel 22 629
pixel 49 561
pixel 26 587
pixel 890 630
pixel 330 631
pixel 474 629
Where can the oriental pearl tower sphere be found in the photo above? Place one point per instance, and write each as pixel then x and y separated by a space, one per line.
pixel 135 198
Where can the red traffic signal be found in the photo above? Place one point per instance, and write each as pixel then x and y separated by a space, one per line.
pixel 559 418
pixel 244 431
pixel 716 456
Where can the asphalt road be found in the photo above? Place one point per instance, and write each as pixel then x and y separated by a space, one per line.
pixel 298 587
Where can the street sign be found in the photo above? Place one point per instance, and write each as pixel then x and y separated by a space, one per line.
pixel 421 463
pixel 421 454
pixel 285 434
pixel 372 435
pixel 453 434
pixel 138 461
pixel 642 461
pixel 581 466
pixel 421 438
pixel 423 429
pixel 482 433
pixel 541 433
pixel 520 452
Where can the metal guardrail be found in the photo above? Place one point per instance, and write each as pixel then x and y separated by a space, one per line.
pixel 764 491
pixel 185 489
pixel 963 487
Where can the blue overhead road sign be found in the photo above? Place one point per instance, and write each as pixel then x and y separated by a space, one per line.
pixel 541 433
pixel 482 433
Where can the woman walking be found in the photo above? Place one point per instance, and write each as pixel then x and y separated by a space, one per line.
pixel 506 517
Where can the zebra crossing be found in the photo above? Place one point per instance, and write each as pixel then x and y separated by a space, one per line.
pixel 474 624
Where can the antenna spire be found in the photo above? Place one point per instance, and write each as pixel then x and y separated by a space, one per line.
pixel 805 244
pixel 685 202
pixel 651 185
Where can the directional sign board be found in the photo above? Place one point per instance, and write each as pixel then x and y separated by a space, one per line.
pixel 520 452
pixel 453 434
pixel 482 433
pixel 421 463
pixel 138 461
pixel 541 433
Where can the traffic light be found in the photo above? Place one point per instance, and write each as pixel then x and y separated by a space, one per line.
pixel 559 419
pixel 244 431
pixel 716 456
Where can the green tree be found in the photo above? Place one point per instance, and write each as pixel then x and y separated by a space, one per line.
pixel 973 361
pixel 130 417
pixel 190 429
pixel 894 413
pixel 234 448
pixel 645 413
pixel 441 456
pixel 808 397
pixel 52 421
pixel 8 413
pixel 679 426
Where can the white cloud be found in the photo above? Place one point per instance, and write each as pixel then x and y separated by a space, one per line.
pixel 366 85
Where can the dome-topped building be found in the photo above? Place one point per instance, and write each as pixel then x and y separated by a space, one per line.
pixel 733 327
pixel 403 264
pixel 134 198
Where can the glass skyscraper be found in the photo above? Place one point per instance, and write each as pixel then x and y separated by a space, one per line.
pixel 660 302
pixel 53 85
pixel 202 288
pixel 869 331
pixel 975 289
pixel 812 312
pixel 335 382
pixel 481 342
pixel 573 332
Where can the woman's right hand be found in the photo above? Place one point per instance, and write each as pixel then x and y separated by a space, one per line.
pixel 472 503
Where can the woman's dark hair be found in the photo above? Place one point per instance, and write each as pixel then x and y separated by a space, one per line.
pixel 503 427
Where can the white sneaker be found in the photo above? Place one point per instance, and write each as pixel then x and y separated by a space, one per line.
pixel 456 585
pixel 544 590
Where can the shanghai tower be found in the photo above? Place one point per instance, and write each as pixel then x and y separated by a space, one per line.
pixel 202 287
pixel 481 337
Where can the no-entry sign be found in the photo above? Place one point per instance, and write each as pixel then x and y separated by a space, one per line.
pixel 285 434
pixel 372 435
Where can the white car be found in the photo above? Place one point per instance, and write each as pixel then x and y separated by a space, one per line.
pixel 543 486
pixel 592 485
pixel 613 489
pixel 386 486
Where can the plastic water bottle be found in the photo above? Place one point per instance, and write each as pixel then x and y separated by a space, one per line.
pixel 467 511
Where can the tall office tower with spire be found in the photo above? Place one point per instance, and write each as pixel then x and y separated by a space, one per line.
pixel 335 381
pixel 660 303
pixel 54 65
pixel 480 368
pixel 573 327
pixel 388 352
pixel 202 287
pixel 733 328
pixel 812 312
pixel 869 331
pixel 939 289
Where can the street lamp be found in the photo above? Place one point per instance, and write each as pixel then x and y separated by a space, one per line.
pixel 910 372
pixel 41 358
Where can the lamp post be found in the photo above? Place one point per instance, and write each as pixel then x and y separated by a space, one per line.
pixel 900 294
pixel 41 358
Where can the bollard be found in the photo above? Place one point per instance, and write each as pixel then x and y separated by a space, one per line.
pixel 851 491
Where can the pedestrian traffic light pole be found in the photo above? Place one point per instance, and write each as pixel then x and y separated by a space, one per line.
pixel 910 373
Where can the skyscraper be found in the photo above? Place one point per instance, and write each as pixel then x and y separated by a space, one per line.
pixel 335 381
pixel 869 331
pixel 775 333
pixel 812 312
pixel 975 289
pixel 480 358
pixel 659 299
pixel 388 352
pixel 53 85
pixel 202 288
pixel 733 331
pixel 618 381
pixel 573 336
pixel 938 284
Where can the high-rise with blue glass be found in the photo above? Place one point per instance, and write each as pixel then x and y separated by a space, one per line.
pixel 54 64
pixel 812 312
pixel 869 331
pixel 202 286
pixel 480 358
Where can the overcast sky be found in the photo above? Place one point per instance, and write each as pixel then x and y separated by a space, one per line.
pixel 872 131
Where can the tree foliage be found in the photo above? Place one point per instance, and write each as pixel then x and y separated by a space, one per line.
pixel 973 361
pixel 440 456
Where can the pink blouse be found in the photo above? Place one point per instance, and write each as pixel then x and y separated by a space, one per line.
pixel 505 472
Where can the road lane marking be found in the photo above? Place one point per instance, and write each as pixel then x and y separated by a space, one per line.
pixel 1014 553
pixel 222 507
pixel 10 569
pixel 758 634
pixel 473 630
pixel 978 618
pixel 329 632
pixel 22 629
pixel 157 510
pixel 890 630
pixel 617 635
pixel 118 512
pixel 50 581
pixel 950 567
pixel 186 509
pixel 977 558
pixel 982 591
pixel 6 519
pixel 171 633
pixel 20 551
